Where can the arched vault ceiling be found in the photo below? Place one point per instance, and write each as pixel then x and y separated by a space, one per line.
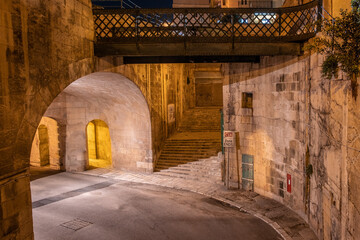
pixel 107 89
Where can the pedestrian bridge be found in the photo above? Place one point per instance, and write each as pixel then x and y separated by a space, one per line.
pixel 202 32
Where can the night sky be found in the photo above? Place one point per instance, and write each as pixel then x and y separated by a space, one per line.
pixel 141 3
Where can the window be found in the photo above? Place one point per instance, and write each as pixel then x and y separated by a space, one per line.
pixel 247 100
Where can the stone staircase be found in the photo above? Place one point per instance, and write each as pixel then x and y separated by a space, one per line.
pixel 181 151
pixel 192 152
pixel 204 170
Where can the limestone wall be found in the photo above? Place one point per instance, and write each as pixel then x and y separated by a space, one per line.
pixel 352 164
pixel 298 122
pixel 44 45
pixel 271 130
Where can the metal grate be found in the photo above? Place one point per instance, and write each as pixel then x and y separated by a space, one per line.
pixel 76 224
pixel 207 25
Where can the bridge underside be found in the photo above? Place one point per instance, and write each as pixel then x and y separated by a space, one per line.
pixel 195 52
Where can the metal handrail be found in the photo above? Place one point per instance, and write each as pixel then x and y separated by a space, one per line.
pixel 207 24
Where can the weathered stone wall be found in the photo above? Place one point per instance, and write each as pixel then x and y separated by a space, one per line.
pixel 351 192
pixel 334 152
pixel 298 121
pixel 44 45
pixel 271 130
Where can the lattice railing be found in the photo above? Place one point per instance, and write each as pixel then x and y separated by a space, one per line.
pixel 207 25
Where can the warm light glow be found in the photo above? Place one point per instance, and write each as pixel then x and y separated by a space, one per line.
pixel 99 144
pixel 44 145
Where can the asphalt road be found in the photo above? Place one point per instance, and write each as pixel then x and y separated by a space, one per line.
pixel 74 206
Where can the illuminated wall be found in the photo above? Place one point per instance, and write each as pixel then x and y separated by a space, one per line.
pixel 98 144
pixel 45 147
pixel 120 135
pixel 91 140
pixel 300 127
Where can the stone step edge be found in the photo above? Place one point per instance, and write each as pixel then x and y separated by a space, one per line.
pixel 198 170
pixel 189 177
pixel 205 177
pixel 192 171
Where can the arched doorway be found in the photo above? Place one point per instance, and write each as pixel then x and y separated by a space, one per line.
pixel 98 144
pixel 45 150
pixel 44 145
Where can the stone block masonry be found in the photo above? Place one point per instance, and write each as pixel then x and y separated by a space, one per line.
pixel 42 48
pixel 301 128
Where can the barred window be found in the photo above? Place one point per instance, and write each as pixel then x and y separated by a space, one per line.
pixel 247 100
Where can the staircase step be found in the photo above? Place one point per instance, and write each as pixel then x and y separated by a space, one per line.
pixel 199 139
pixel 190 177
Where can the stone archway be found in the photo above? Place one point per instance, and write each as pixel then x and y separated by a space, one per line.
pixel 98 144
pixel 119 103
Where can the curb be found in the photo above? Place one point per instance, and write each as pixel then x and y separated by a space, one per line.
pixel 268 221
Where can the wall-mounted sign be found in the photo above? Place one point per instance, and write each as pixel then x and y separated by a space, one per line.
pixel 229 139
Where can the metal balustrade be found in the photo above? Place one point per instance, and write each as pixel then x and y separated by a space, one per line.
pixel 207 25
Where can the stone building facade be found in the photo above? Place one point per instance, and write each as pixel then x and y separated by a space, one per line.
pixel 301 132
pixel 292 124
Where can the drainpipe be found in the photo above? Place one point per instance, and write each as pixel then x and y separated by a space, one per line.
pixel 222 130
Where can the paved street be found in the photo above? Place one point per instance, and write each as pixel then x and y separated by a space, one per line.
pixel 74 206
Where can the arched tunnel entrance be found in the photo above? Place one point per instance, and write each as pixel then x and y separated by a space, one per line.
pixel 105 123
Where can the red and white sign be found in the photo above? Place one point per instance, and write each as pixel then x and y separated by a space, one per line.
pixel 229 139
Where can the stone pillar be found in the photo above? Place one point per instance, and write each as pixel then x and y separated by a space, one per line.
pixel 44 45
pixel 76 150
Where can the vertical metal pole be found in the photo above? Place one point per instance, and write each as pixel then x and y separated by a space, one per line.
pixel 222 130
pixel 237 148
pixel 228 169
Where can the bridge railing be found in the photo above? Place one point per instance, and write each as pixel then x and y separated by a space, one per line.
pixel 207 24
